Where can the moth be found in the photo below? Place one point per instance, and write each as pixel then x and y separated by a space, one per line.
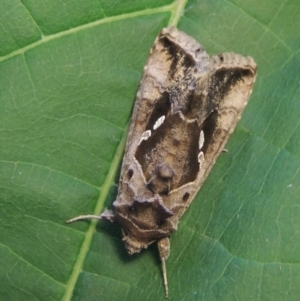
pixel 187 106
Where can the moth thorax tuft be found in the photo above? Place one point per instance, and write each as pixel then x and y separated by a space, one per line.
pixel 165 171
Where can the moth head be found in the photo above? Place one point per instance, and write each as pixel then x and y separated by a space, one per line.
pixel 132 245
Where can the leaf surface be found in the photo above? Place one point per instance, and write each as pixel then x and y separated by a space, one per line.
pixel 69 72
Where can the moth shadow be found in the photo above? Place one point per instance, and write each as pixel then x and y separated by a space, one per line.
pixel 114 233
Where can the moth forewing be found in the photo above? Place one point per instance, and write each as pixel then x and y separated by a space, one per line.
pixel 222 120
pixel 186 108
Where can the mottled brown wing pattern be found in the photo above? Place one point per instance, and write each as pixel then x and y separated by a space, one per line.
pixel 186 108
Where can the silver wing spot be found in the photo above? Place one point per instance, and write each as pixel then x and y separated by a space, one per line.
pixel 145 135
pixel 159 122
pixel 201 139
pixel 201 158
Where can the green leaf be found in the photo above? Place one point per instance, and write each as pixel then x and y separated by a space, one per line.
pixel 69 72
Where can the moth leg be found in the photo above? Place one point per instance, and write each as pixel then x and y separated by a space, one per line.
pixel 164 252
pixel 107 215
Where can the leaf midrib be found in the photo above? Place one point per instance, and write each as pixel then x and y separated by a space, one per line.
pixel 176 9
pixel 109 181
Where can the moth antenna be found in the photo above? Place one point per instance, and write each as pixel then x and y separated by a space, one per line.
pixel 164 270
pixel 107 215
pixel 164 252
pixel 82 217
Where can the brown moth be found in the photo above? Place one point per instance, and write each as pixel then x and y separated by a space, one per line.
pixel 187 106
